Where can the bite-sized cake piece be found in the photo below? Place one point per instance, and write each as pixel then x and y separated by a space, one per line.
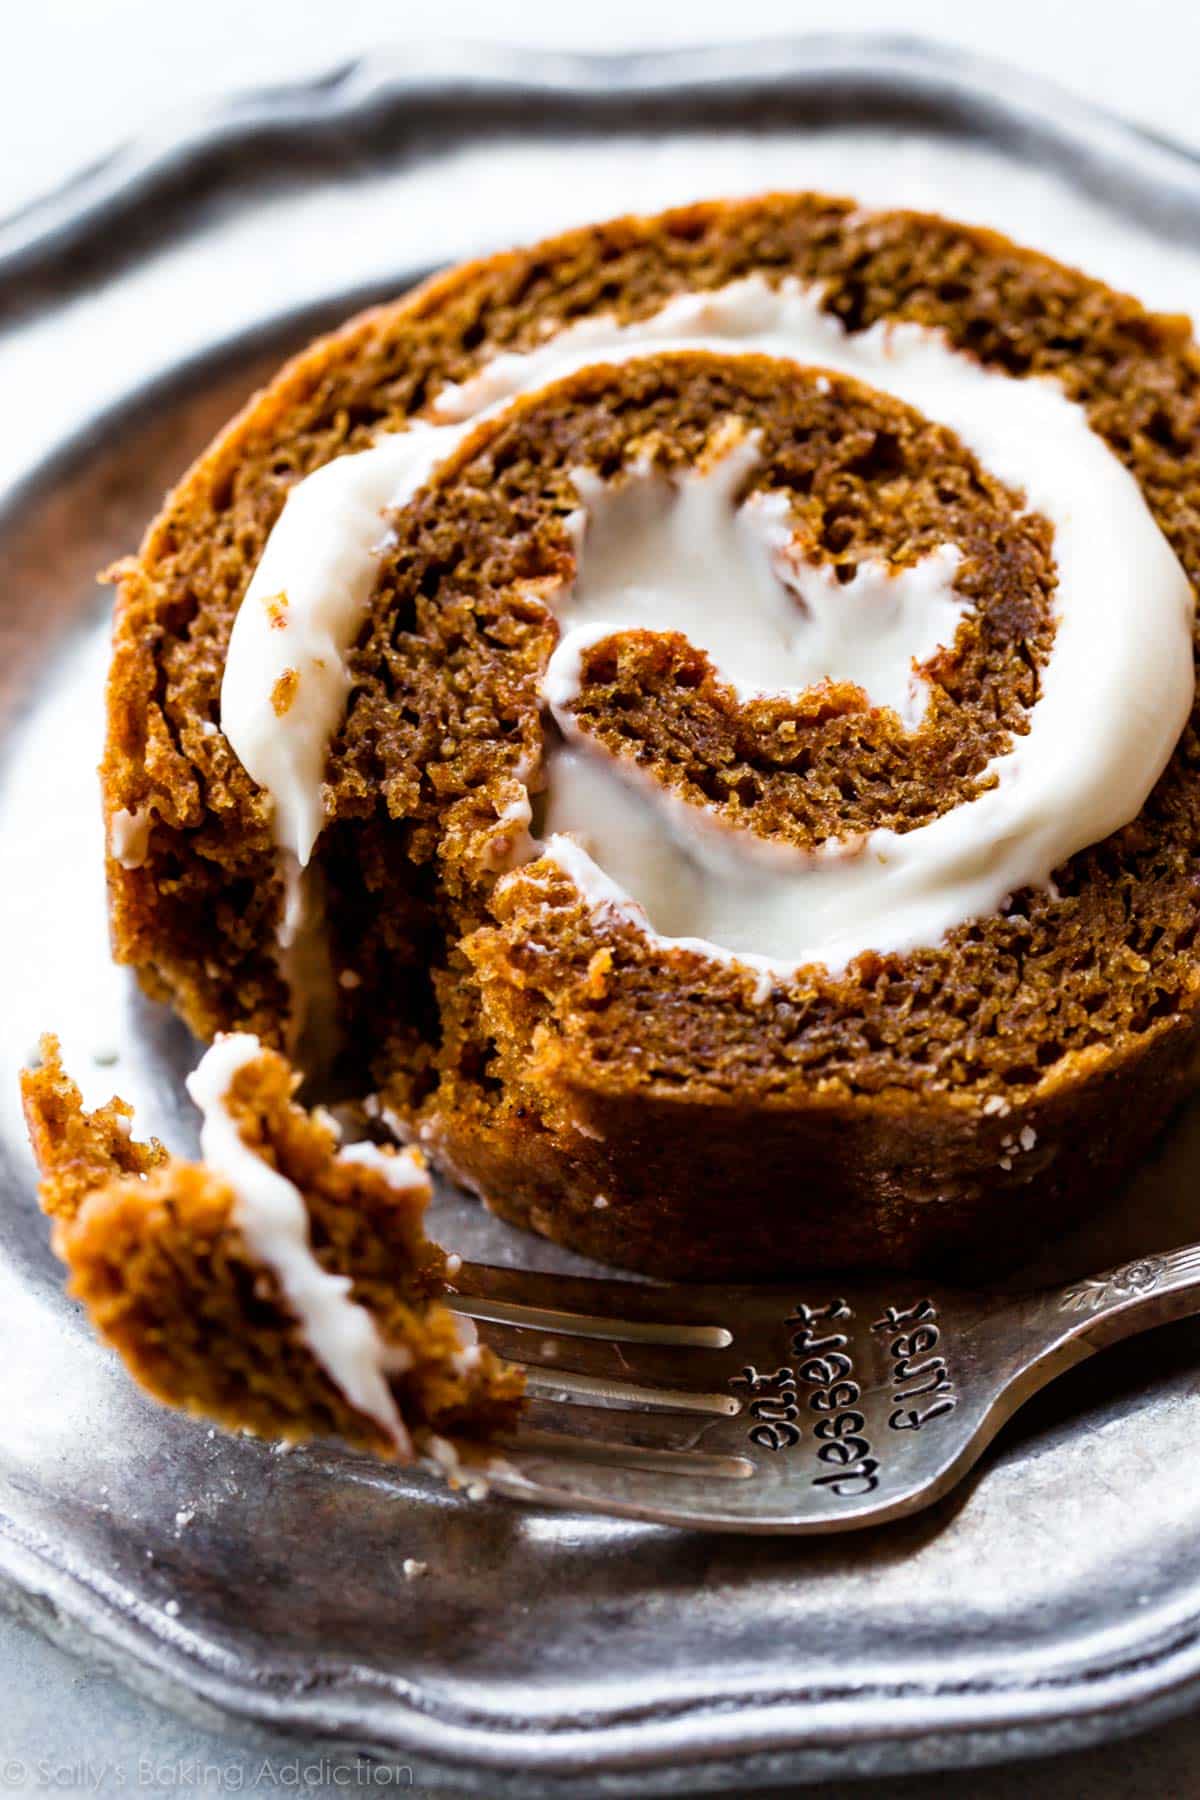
pixel 697 717
pixel 284 1284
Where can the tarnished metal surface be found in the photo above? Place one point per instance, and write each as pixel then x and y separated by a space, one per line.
pixel 1053 1599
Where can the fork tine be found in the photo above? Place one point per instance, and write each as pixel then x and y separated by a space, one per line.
pixel 650 1430
pixel 646 1365
pixel 540 1475
pixel 598 1391
pixel 619 1454
pixel 605 1300
pixel 615 1333
pixel 682 1334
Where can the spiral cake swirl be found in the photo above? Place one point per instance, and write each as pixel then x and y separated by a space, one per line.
pixel 696 719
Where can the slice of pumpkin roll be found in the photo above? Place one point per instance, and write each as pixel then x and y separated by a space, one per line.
pixel 283 1284
pixel 698 719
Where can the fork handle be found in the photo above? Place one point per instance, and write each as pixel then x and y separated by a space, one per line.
pixel 1103 1309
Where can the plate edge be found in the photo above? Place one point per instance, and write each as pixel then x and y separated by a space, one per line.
pixel 350 102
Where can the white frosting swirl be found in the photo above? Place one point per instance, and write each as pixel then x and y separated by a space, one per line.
pixel 270 1213
pixel 1115 693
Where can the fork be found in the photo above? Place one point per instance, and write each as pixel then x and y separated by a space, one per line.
pixel 819 1406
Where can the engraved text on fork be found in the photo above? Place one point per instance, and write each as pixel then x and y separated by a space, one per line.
pixel 820 1386
pixel 922 1388
pixel 828 1370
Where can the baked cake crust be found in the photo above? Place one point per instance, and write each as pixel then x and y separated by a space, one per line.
pixel 928 1109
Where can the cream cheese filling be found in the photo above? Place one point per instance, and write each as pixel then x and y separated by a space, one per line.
pixel 1115 693
pixel 682 555
pixel 270 1213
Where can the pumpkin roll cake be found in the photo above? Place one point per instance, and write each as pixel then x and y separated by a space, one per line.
pixel 693 721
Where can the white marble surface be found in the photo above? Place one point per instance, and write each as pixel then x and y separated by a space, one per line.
pixel 78 75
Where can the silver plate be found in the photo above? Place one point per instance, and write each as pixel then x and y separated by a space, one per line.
pixel 1056 1599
